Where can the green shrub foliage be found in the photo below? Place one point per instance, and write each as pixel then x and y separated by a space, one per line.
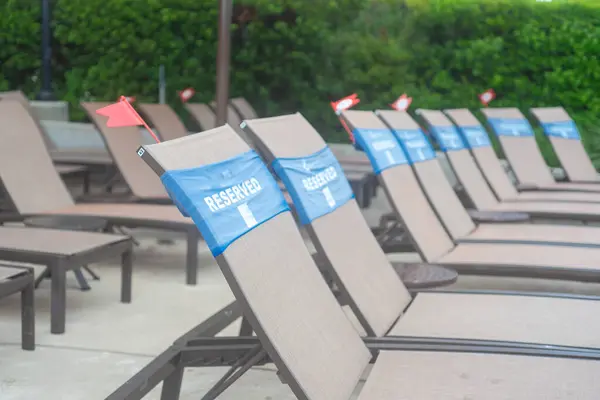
pixel 298 55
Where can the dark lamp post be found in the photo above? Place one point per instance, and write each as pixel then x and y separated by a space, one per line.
pixel 46 91
pixel 223 53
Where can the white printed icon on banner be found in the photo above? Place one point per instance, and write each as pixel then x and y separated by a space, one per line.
pixel 328 197
pixel 247 215
pixel 390 157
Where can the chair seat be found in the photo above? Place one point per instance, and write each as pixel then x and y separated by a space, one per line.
pixel 459 376
pixel 54 242
pixel 519 318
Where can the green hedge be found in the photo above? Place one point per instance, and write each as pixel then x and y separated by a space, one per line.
pixel 442 52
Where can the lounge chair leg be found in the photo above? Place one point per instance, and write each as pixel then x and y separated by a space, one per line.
pixel 192 256
pixel 171 387
pixel 235 372
pixel 83 285
pixel 91 272
pixel 28 317
pixel 245 328
pixel 126 275
pixel 58 304
pixel 42 276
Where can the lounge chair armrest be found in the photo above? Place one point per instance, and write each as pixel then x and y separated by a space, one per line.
pixel 524 187
pixel 498 217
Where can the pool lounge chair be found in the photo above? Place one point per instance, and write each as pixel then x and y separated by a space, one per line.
pixel 475 143
pixel 164 120
pixel 519 145
pixel 304 332
pixel 556 210
pixel 564 137
pixel 34 188
pixel 122 142
pixel 459 223
pixel 15 279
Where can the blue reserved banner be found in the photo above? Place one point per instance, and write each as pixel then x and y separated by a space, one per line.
pixel 226 199
pixel 415 144
pixel 564 129
pixel 511 127
pixel 316 183
pixel 475 136
pixel 381 147
pixel 448 138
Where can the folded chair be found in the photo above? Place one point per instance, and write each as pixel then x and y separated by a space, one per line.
pixel 122 143
pixel 34 188
pixel 459 222
pixel 302 329
pixel 473 139
pixel 164 120
pixel 564 137
pixel 518 143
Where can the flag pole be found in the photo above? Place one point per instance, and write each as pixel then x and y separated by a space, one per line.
pixel 130 107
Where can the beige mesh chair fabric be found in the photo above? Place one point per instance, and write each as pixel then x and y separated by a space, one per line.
pixel 525 158
pixel 60 156
pixel 436 246
pixel 343 236
pixel 122 144
pixel 471 178
pixel 430 174
pixel 570 152
pixel 26 172
pixel 244 109
pixel 164 120
pixel 304 330
pixel 202 114
pixel 471 316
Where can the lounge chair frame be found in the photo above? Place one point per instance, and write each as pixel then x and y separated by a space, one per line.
pixel 21 279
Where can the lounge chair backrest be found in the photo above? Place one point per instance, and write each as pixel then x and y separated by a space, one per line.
pixel 461 162
pixel 342 236
pixel 26 169
pixel 164 120
pixel 202 114
pixel 484 154
pixel 122 144
pixel 566 141
pixel 432 178
pixel 281 291
pixel 234 120
pixel 244 109
pixel 519 146
pixel 17 95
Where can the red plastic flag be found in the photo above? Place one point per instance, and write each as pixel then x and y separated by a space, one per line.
pixel 402 103
pixel 345 103
pixel 487 97
pixel 122 113
pixel 186 94
pixel 130 99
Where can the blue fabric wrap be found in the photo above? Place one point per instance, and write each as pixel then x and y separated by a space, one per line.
pixel 563 129
pixel 448 138
pixel 316 183
pixel 226 199
pixel 381 147
pixel 511 127
pixel 415 144
pixel 475 136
